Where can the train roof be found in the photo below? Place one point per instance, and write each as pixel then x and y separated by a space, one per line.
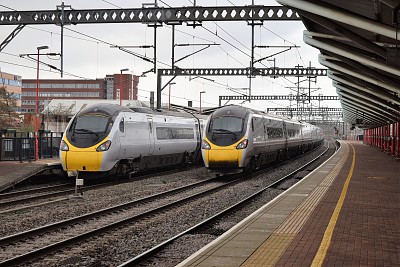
pixel 181 113
pixel 231 110
pixel 104 108
pixel 241 111
pixel 114 109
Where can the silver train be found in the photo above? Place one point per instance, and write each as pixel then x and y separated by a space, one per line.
pixel 115 140
pixel 237 139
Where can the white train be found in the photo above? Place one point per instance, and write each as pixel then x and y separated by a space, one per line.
pixel 237 138
pixel 110 139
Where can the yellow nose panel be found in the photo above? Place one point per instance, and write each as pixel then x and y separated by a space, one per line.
pixel 223 158
pixel 230 155
pixel 83 161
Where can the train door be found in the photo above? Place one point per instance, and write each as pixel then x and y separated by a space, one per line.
pixel 285 134
pixel 199 136
pixel 151 136
pixel 122 135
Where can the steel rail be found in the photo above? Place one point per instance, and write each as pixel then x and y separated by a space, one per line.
pixel 64 192
pixel 31 191
pixel 59 245
pixel 145 255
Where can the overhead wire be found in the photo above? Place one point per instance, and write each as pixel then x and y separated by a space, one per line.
pixel 277 35
pixel 29 67
pixel 97 40
pixel 110 3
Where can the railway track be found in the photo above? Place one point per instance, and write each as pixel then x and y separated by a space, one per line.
pixel 209 222
pixel 56 236
pixel 23 199
pixel 34 244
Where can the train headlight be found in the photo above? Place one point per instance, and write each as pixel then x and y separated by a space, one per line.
pixel 104 146
pixel 243 144
pixel 205 145
pixel 64 146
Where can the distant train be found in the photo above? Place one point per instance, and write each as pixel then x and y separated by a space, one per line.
pixel 111 139
pixel 237 139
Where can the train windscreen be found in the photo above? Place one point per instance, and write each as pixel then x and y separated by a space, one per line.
pixel 97 124
pixel 232 124
pixel 225 130
pixel 88 129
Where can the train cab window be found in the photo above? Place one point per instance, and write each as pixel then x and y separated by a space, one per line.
pixel 121 125
pixel 93 123
pixel 87 129
pixel 232 124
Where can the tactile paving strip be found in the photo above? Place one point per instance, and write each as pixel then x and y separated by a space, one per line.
pixel 272 249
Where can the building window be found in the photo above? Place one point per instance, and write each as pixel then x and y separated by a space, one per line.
pixel 8 145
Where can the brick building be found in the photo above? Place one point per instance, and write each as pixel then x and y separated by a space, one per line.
pixel 59 89
pixel 129 86
pixel 107 88
pixel 13 85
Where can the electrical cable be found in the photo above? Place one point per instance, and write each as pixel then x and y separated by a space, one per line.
pixel 105 42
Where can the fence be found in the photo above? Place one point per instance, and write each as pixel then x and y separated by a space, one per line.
pixel 21 146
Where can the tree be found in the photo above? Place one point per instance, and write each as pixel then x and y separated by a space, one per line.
pixel 8 105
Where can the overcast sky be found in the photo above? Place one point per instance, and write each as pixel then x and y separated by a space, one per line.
pixel 91 58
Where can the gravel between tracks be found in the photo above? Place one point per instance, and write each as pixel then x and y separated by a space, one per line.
pixel 117 247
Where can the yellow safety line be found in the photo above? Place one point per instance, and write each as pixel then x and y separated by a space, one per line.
pixel 323 248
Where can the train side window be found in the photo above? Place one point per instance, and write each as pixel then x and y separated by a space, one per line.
pixel 252 124
pixel 121 125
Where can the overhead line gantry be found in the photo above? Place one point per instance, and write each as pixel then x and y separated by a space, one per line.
pixel 155 16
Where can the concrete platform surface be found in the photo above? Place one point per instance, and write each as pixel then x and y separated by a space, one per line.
pixel 13 172
pixel 345 213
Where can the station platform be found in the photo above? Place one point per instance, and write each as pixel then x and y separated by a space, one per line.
pixel 345 213
pixel 13 172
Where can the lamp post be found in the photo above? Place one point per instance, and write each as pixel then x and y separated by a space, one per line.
pixel 37 103
pixel 202 92
pixel 120 86
pixel 169 96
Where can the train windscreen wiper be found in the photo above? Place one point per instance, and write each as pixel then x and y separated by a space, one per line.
pixel 224 131
pixel 86 131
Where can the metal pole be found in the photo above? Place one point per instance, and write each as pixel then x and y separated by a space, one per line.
pixel 155 46
pixel 37 108
pixel 173 46
pixel 37 102
pixel 252 53
pixel 309 85
pixel 159 90
pixel 120 89
pixel 200 102
pixel 392 140
pixel 169 97
pixel 20 148
pixel 202 92
pixel 62 39
pixel 120 85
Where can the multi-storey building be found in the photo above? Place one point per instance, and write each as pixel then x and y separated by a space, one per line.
pixel 59 89
pixel 128 83
pixel 12 83
pixel 108 88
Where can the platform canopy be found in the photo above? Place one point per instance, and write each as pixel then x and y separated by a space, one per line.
pixel 359 42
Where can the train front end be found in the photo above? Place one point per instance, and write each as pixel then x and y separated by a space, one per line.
pixel 225 141
pixel 87 146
